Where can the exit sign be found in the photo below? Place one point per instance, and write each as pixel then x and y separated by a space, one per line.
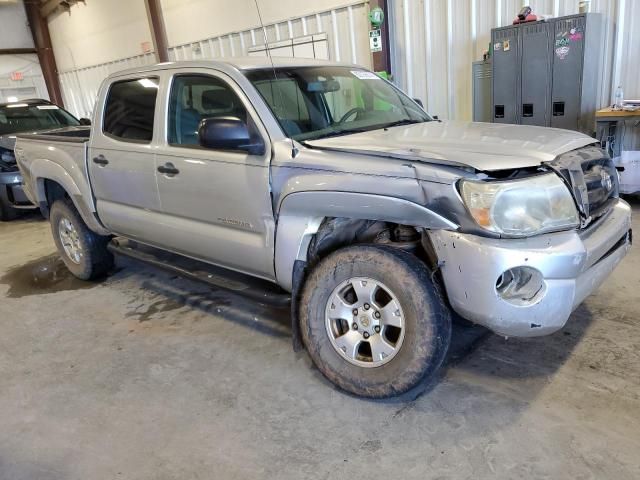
pixel 17 76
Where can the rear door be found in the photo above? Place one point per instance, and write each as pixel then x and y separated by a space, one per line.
pixel 216 204
pixel 121 157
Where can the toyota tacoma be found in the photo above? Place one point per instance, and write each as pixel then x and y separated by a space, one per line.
pixel 331 186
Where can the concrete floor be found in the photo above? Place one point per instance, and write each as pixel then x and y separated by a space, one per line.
pixel 150 376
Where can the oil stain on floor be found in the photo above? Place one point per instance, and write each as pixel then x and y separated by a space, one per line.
pixel 158 307
pixel 43 275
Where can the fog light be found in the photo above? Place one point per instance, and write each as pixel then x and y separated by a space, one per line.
pixel 521 285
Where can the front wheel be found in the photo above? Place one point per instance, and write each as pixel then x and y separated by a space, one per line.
pixel 372 320
pixel 83 251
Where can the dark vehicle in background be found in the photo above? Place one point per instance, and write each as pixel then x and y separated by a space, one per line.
pixel 25 116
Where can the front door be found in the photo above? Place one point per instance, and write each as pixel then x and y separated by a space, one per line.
pixel 121 159
pixel 216 204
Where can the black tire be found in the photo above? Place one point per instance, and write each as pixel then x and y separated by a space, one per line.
pixel 427 320
pixel 96 260
pixel 7 212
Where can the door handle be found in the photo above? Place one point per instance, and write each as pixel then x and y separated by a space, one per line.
pixel 168 169
pixel 100 160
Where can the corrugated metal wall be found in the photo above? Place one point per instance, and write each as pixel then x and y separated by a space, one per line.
pixel 80 86
pixel 340 25
pixel 436 41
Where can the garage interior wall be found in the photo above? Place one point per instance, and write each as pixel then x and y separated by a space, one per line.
pixel 15 34
pixel 436 41
pixel 196 29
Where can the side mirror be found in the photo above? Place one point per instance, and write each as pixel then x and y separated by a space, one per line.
pixel 419 102
pixel 85 121
pixel 229 133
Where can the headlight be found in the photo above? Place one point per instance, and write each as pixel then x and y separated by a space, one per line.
pixel 523 207
pixel 7 156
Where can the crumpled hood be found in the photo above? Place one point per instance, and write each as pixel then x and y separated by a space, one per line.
pixel 482 146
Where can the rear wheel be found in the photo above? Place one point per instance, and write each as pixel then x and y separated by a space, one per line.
pixel 373 321
pixel 83 251
pixel 7 212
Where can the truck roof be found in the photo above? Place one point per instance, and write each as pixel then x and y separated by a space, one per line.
pixel 28 101
pixel 239 63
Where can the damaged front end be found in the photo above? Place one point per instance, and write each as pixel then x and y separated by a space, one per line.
pixel 524 278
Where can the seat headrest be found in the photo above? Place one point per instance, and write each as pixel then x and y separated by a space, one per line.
pixel 218 99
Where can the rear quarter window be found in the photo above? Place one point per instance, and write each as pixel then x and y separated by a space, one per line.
pixel 130 109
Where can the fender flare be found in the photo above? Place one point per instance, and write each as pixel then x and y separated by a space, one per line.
pixel 301 213
pixel 42 170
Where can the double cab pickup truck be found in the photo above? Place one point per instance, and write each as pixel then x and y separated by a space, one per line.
pixel 325 182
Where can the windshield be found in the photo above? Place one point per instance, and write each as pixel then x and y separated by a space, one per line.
pixel 21 118
pixel 326 101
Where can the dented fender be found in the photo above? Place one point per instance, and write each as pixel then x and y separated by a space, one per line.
pixel 301 215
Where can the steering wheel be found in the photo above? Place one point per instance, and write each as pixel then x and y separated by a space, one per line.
pixel 350 113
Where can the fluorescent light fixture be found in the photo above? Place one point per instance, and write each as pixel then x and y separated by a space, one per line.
pixel 12 99
pixel 47 107
pixel 17 105
pixel 146 83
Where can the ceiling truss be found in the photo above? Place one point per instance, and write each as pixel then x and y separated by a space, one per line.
pixel 48 7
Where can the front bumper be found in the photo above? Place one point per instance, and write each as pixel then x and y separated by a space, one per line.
pixel 573 264
pixel 12 190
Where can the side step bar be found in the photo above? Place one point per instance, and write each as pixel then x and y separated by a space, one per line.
pixel 255 289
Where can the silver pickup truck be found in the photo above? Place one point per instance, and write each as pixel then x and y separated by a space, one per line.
pixel 322 179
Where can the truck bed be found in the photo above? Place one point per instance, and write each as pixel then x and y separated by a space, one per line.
pixel 59 155
pixel 68 134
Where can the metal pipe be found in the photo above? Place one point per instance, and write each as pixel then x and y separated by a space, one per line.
pixel 42 40
pixel 17 51
pixel 158 32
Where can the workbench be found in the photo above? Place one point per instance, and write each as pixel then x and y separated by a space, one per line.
pixel 614 131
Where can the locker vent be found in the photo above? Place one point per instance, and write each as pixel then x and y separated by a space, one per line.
pixel 506 33
pixel 537 28
pixel 482 71
pixel 564 26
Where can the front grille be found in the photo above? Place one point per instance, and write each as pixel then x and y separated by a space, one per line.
pixel 593 179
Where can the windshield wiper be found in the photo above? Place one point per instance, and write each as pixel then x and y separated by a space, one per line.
pixel 348 131
pixel 406 121
pixel 338 133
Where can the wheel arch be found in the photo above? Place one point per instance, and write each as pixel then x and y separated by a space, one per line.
pixel 51 187
pixel 302 214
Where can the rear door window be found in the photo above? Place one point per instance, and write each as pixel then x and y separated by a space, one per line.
pixel 130 110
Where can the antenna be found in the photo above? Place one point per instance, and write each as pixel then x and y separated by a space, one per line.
pixel 294 150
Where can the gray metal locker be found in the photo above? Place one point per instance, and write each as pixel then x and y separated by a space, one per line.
pixel 576 59
pixel 481 72
pixel 551 79
pixel 536 73
pixel 506 73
